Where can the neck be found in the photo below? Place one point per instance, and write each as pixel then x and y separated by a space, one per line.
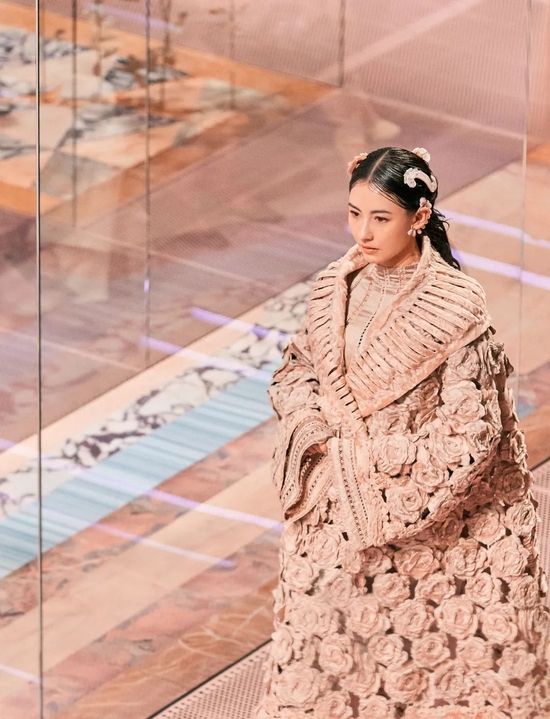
pixel 408 257
pixel 410 260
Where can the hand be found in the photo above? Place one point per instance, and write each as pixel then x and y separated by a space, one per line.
pixel 319 448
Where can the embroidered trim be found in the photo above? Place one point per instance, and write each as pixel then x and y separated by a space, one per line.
pixel 308 432
pixel 316 482
pixel 362 505
pixel 368 324
pixel 361 304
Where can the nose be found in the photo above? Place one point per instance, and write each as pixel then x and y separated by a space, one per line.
pixel 365 234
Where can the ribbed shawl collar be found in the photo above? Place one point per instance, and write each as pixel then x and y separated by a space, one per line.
pixel 439 310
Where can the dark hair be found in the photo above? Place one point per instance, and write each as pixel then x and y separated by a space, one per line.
pixel 384 169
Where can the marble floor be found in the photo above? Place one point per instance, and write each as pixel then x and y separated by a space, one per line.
pixel 164 315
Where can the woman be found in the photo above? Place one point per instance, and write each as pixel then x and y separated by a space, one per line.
pixel 410 582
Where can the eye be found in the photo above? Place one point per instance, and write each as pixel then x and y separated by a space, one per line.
pixel 381 219
pixel 354 213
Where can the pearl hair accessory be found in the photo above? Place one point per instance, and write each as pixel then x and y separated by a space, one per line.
pixel 423 153
pixel 426 203
pixel 413 173
pixel 423 203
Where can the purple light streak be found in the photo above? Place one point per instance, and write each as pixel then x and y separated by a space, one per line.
pixel 496 227
pixel 205 359
pixel 198 556
pixel 504 269
pixel 136 17
pixel 221 320
pixel 20 674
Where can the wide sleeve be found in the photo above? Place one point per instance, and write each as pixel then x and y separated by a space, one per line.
pixel 435 444
pixel 294 395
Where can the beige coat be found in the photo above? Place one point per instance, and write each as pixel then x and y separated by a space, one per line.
pixel 410 580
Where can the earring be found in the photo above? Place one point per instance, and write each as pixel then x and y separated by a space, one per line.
pixel 419 232
pixel 411 232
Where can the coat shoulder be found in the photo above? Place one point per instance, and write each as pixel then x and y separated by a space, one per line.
pixel 467 290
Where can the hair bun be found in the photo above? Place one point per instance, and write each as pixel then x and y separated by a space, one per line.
pixel 423 153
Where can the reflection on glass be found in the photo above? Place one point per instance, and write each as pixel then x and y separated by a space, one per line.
pixel 19 580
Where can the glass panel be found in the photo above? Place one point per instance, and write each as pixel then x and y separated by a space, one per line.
pixel 19 401
pixel 300 39
pixel 94 141
pixel 534 354
pixel 533 359
pixel 304 39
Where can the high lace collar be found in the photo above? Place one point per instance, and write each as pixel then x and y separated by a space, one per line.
pixel 392 277
pixel 389 278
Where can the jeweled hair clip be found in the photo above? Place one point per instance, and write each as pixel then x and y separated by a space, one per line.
pixel 413 173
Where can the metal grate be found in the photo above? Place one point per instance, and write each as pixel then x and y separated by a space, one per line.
pixel 235 692
pixel 230 695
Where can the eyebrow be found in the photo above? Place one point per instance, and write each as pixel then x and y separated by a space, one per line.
pixel 373 212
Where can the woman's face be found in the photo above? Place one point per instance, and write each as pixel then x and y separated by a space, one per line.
pixel 379 226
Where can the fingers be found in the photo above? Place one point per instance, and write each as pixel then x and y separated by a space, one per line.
pixel 320 448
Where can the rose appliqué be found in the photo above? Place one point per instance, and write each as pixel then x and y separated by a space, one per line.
pixel 483 589
pixel 412 618
pixel 521 518
pixel 335 654
pixel 313 616
pixel 430 650
pixel 299 573
pixel 508 557
pixel 453 681
pixel 435 588
pixel 457 616
pixel 392 452
pixel 406 503
pixel 388 650
pixel 391 589
pixel 499 623
pixel 298 686
pixel 334 705
pixel 405 685
pixel 465 559
pixel 475 653
pixel 517 661
pixel 375 561
pixel 416 561
pixel 366 617
pixel 524 592
pixel 462 404
pixel 323 545
pixel 486 526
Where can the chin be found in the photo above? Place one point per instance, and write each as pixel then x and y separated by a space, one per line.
pixel 372 256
